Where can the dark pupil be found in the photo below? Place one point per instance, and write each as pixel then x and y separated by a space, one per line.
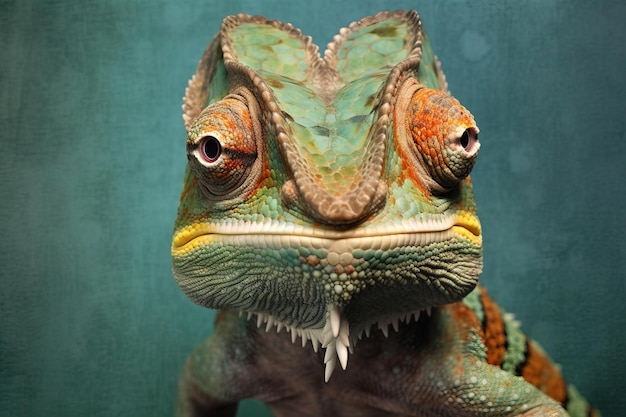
pixel 465 139
pixel 212 148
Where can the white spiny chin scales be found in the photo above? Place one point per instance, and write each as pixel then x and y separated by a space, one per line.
pixel 334 336
pixel 336 341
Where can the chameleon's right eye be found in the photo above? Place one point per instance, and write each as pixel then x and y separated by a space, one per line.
pixel 222 149
pixel 438 137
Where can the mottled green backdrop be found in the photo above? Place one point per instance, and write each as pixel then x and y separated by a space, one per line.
pixel 92 157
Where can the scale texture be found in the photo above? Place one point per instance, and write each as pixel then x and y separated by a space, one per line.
pixel 327 201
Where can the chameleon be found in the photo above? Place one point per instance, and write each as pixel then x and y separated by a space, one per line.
pixel 327 213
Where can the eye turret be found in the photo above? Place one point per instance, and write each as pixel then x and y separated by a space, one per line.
pixel 223 149
pixel 439 136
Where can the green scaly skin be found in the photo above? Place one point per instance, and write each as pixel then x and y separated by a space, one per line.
pixel 326 195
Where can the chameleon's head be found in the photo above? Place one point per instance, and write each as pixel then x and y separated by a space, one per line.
pixel 326 194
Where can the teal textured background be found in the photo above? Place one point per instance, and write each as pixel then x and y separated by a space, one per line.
pixel 92 157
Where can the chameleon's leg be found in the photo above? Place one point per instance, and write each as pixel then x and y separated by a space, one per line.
pixel 454 373
pixel 204 395
pixel 477 388
pixel 211 382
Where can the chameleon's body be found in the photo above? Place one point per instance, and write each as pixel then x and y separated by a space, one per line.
pixel 328 200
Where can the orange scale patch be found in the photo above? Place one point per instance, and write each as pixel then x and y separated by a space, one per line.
pixel 493 330
pixel 542 373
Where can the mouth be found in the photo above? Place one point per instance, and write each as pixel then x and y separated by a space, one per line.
pixel 273 234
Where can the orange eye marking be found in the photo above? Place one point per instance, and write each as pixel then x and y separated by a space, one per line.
pixel 404 159
pixel 219 120
pixel 232 164
pixel 233 120
pixel 429 122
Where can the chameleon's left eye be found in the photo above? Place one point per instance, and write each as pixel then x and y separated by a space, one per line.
pixel 439 137
pixel 222 149
pixel 209 149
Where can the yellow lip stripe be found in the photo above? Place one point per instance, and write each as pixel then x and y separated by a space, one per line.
pixel 280 234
